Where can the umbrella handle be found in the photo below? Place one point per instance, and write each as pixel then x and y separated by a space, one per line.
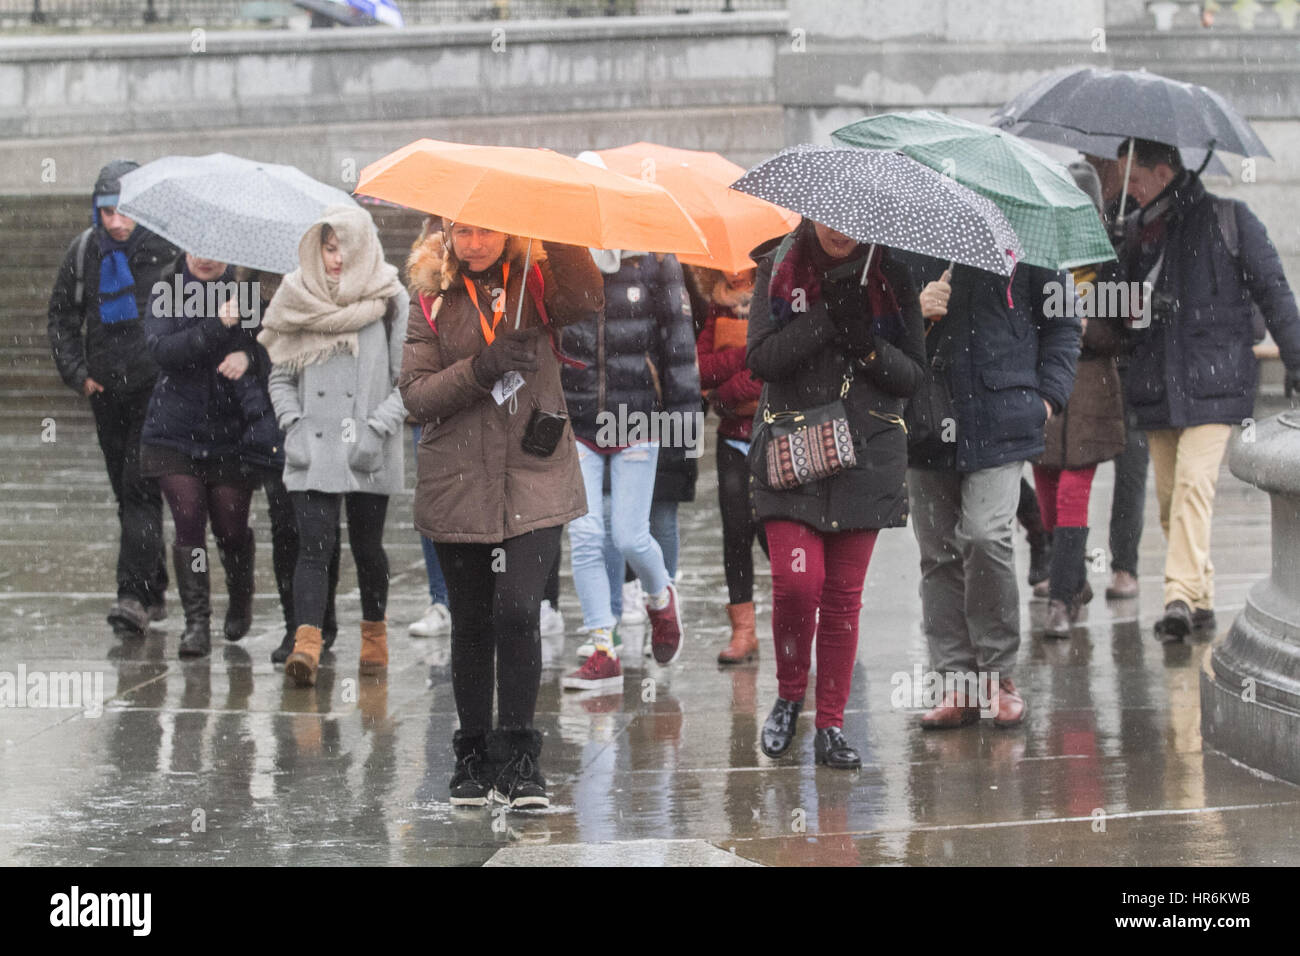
pixel 1123 193
pixel 523 288
pixel 871 253
pixel 1206 161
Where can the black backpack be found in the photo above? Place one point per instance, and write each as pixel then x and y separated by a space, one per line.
pixel 1225 211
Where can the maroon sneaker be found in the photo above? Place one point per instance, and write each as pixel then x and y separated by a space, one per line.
pixel 666 628
pixel 598 672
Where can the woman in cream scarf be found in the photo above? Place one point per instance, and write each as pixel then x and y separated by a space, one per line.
pixel 334 334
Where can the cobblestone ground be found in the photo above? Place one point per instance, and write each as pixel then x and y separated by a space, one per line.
pixel 218 761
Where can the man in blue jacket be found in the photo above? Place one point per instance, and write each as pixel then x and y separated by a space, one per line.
pixel 1193 374
pixel 100 298
pixel 1008 367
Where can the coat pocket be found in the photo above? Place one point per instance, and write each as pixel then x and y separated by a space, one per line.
pixel 297 451
pixel 1219 366
pixel 1014 408
pixel 367 455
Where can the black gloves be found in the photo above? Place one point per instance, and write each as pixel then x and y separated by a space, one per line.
pixel 849 308
pixel 509 351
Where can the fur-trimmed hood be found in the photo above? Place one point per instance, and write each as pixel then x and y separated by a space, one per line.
pixel 433 266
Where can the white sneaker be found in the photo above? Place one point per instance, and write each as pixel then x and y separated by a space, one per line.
pixel 552 621
pixel 436 620
pixel 633 603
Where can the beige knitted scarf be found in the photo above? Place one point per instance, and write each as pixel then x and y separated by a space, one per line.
pixel 312 317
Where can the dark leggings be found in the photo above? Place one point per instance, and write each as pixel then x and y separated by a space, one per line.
pixel 192 503
pixel 284 551
pixel 318 530
pixel 738 525
pixel 495 594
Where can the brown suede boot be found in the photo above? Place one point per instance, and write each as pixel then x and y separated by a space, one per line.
pixel 744 638
pixel 374 646
pixel 302 663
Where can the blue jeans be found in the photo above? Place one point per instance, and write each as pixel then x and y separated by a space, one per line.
pixel 632 482
pixel 663 528
pixel 437 584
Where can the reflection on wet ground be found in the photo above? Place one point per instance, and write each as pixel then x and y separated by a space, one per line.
pixel 218 761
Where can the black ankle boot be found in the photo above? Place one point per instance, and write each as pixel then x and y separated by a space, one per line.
pixel 471 781
pixel 193 588
pixel 778 729
pixel 238 562
pixel 520 784
pixel 329 628
pixel 830 748
pixel 281 653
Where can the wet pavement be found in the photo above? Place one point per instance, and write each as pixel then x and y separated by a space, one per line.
pixel 220 762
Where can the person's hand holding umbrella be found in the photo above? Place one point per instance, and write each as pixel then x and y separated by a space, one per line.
pixel 934 297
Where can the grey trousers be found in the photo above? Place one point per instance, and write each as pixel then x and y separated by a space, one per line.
pixel 970 602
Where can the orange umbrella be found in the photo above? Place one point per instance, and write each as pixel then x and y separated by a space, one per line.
pixel 732 221
pixel 533 192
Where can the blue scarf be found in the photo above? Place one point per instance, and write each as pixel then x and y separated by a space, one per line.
pixel 116 284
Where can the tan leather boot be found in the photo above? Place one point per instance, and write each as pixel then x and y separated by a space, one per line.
pixel 302 663
pixel 374 646
pixel 744 638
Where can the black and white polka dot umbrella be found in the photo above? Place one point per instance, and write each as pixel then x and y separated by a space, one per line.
pixel 889 199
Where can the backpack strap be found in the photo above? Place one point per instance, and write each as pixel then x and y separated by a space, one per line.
pixel 79 293
pixel 1225 210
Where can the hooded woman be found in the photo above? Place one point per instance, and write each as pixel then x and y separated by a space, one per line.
pixel 818 333
pixel 334 335
pixel 497 473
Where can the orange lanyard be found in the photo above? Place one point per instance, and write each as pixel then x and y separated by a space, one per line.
pixel 489 331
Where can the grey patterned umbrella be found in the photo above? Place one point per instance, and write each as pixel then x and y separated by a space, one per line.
pixel 228 208
pixel 887 198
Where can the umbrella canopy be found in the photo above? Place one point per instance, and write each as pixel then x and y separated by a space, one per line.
pixel 732 222
pixel 1134 103
pixel 228 208
pixel 1057 223
pixel 887 198
pixel 533 192
pixel 1107 147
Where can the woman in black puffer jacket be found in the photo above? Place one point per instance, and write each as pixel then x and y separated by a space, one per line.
pixel 632 391
pixel 208 435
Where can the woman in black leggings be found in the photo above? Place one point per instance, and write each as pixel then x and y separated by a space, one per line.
pixel 334 333
pixel 493 492
pixel 732 391
pixel 207 430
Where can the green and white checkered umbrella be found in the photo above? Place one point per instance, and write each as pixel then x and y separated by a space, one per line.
pixel 1057 223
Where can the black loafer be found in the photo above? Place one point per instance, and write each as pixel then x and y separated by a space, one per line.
pixel 830 748
pixel 1176 624
pixel 778 729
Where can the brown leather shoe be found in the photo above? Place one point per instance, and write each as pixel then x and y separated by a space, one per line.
pixel 1123 585
pixel 744 637
pixel 302 663
pixel 1059 619
pixel 374 646
pixel 949 715
pixel 1007 705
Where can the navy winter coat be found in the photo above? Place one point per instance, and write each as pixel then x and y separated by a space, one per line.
pixel 1194 365
pixel 639 352
pixel 1002 361
pixel 194 408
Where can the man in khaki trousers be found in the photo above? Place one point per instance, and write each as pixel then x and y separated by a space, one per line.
pixel 1193 373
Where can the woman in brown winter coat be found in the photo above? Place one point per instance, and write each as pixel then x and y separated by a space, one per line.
pixel 496 478
pixel 1089 432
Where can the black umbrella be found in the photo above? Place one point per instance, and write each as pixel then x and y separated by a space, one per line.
pixel 1107 147
pixel 887 198
pixel 1134 103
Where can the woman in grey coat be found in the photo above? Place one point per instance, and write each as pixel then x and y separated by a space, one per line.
pixel 334 334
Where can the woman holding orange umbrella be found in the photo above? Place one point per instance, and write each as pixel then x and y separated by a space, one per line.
pixel 494 488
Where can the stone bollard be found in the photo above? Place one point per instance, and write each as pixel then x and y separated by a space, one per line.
pixel 1250 681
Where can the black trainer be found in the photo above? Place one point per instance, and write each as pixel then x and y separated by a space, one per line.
pixel 778 729
pixel 520 784
pixel 1176 624
pixel 469 782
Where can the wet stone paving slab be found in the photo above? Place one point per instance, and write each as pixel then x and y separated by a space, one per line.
pixel 219 761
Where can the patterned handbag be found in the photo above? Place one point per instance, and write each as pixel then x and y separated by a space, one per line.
pixel 808 446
